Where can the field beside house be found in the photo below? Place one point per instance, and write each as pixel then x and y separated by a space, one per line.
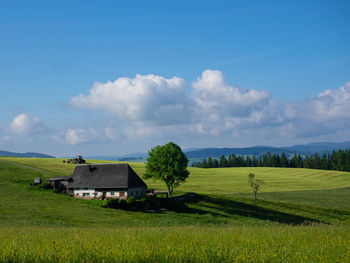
pixel 302 215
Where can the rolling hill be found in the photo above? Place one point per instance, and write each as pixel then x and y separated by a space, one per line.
pixel 302 215
pixel 195 154
pixel 27 154
pixel 321 147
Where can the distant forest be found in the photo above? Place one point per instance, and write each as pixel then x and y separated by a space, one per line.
pixel 337 160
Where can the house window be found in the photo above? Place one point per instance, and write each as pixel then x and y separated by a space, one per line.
pixel 86 194
pixel 121 193
pixel 112 193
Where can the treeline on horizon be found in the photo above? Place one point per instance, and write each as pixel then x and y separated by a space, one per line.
pixel 337 160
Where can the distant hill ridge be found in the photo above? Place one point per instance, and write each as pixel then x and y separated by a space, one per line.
pixel 319 147
pixel 216 152
pixel 27 154
pixel 197 153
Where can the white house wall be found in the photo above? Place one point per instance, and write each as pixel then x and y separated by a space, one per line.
pixel 91 192
pixel 137 192
pixel 81 191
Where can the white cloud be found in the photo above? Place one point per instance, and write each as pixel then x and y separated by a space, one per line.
pixel 148 110
pixel 214 95
pixel 333 103
pixel 133 132
pixel 76 136
pixel 24 124
pixel 5 139
pixel 148 98
pixel 220 107
pixel 156 108
pixel 325 114
pixel 111 133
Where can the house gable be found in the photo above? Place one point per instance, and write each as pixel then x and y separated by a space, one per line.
pixel 109 180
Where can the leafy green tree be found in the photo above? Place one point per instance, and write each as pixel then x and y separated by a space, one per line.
pixel 167 163
pixel 254 184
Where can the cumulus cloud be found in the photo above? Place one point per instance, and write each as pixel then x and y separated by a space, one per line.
pixel 111 133
pixel 154 107
pixel 148 98
pixel 215 96
pixel 332 104
pixel 76 136
pixel 327 113
pixel 221 107
pixel 24 124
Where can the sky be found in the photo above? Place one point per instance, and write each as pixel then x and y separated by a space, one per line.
pixel 116 77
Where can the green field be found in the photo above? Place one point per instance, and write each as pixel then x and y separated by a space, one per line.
pixel 302 215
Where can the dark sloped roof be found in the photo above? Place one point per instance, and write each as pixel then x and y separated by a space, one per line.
pixel 105 176
pixel 59 178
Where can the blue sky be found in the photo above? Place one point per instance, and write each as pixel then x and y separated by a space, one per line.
pixel 270 61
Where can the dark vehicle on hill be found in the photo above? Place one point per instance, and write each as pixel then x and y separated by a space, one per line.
pixel 76 160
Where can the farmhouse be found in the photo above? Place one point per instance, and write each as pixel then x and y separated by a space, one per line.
pixel 59 183
pixel 104 181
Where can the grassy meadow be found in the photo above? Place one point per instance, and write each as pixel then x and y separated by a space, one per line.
pixel 178 244
pixel 302 215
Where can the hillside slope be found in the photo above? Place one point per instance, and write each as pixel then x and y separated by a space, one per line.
pixel 27 154
pixel 224 198
pixel 223 224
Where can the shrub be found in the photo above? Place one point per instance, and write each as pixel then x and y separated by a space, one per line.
pixel 131 200
pixel 46 186
pixel 112 203
pixel 117 204
pixel 150 202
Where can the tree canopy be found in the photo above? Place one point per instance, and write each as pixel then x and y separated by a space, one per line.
pixel 337 160
pixel 167 163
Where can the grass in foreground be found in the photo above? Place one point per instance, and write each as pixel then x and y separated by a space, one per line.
pixel 223 224
pixel 181 244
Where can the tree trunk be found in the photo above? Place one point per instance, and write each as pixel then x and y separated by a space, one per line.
pixel 255 196
pixel 169 192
